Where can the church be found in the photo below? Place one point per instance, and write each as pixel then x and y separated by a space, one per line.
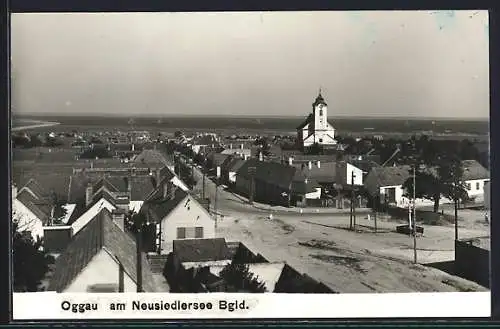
pixel 316 129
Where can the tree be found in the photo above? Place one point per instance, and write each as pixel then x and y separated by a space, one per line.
pixel 432 182
pixel 239 278
pixel 30 264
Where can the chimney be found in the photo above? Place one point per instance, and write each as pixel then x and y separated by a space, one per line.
pixel 14 190
pixel 133 147
pixel 245 157
pixel 129 188
pixel 241 146
pixel 318 164
pixel 261 157
pixel 290 161
pixel 119 217
pixel 309 165
pixel 231 146
pixel 88 194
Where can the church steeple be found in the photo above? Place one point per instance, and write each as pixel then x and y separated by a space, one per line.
pixel 319 99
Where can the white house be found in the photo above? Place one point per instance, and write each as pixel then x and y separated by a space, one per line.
pixel 347 174
pixel 101 258
pixel 179 216
pixel 316 128
pixel 30 210
pixel 475 177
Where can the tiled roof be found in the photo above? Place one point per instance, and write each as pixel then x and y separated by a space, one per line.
pixel 57 183
pixel 39 208
pixel 85 214
pixel 35 188
pixel 235 164
pixel 271 172
pixel 326 173
pixel 157 208
pixel 101 232
pixel 142 186
pixel 474 170
pixel 387 176
pixel 150 157
pixel 201 250
pixel 219 158
pixel 103 182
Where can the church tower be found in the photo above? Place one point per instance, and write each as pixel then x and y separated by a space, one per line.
pixel 320 112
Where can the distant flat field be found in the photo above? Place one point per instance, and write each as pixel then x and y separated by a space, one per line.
pixel 267 125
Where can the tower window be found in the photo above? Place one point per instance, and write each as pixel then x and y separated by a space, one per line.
pixel 320 112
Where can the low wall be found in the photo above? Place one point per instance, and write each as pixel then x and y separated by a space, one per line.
pixel 472 263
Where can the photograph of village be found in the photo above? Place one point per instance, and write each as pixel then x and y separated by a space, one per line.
pixel 276 152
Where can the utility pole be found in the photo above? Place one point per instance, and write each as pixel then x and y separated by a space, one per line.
pixel 215 202
pixel 353 214
pixel 204 170
pixel 251 174
pixel 139 257
pixel 414 219
pixel 455 199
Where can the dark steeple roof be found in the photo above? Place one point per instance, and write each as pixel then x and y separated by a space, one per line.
pixel 319 100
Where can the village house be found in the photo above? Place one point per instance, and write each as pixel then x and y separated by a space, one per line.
pixel 195 266
pixel 229 169
pixel 475 176
pixel 31 208
pixel 385 185
pixel 101 258
pixel 316 129
pixel 275 183
pixel 178 214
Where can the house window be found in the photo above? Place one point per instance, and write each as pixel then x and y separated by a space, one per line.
pixel 390 195
pixel 103 287
pixel 198 233
pixel 181 233
pixel 469 187
pixel 478 186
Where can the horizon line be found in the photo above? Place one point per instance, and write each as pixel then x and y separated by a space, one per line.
pixel 256 116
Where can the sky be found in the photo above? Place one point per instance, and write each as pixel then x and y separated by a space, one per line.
pixel 386 63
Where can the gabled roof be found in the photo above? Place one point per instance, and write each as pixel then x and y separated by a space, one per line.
pixel 151 157
pixel 55 182
pixel 474 170
pixel 35 188
pixel 201 250
pixel 100 233
pixel 84 215
pixel 235 164
pixel 158 208
pixel 219 158
pixel 387 176
pixel 40 208
pixel 104 182
pixel 308 120
pixel 326 173
pixel 271 172
pixel 142 186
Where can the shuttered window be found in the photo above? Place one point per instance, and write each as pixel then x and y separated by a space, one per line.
pixel 181 233
pixel 198 234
